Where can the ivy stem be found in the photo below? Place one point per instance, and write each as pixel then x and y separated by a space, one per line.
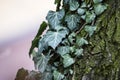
pixel 73 78
pixel 81 28
pixel 93 22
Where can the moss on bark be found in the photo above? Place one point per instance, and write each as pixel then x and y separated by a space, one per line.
pixel 101 60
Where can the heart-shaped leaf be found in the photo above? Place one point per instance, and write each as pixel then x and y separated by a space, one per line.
pixel 81 41
pixel 81 11
pixel 57 75
pixel 90 29
pixel 79 52
pixel 99 8
pixel 90 16
pixel 71 37
pixel 62 50
pixel 53 38
pixel 67 60
pixel 73 5
pixel 47 76
pixel 41 62
pixel 72 21
pixel 54 18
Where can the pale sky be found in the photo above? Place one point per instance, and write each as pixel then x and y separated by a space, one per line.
pixel 18 20
pixel 20 17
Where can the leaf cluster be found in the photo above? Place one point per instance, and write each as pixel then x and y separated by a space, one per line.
pixel 63 43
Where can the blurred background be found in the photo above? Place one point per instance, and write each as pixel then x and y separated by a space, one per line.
pixel 19 23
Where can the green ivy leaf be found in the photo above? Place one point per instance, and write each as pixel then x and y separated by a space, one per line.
pixel 67 60
pixel 90 29
pixel 72 21
pixel 47 76
pixel 34 53
pixel 62 50
pixel 54 18
pixel 71 37
pixel 65 42
pixel 57 38
pixel 42 28
pixel 83 5
pixel 72 49
pixel 53 38
pixel 97 1
pixel 73 5
pixel 65 78
pixel 71 71
pixel 81 11
pixel 99 8
pixel 90 16
pixel 56 64
pixel 83 17
pixel 41 62
pixel 42 45
pixel 57 75
pixel 65 1
pixel 81 41
pixel 79 52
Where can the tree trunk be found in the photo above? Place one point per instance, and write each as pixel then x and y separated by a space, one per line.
pixel 101 60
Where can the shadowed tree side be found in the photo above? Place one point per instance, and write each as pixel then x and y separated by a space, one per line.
pixel 101 60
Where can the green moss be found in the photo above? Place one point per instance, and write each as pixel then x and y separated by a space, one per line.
pixel 117 32
pixel 21 74
pixel 105 43
pixel 111 27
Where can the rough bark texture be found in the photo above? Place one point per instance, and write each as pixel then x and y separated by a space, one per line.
pixel 101 60
pixel 24 74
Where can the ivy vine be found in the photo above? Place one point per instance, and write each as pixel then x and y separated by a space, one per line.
pixel 64 41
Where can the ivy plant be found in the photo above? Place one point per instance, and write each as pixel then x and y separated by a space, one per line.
pixel 66 37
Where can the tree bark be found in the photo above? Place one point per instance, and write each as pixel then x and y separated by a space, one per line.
pixel 101 60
